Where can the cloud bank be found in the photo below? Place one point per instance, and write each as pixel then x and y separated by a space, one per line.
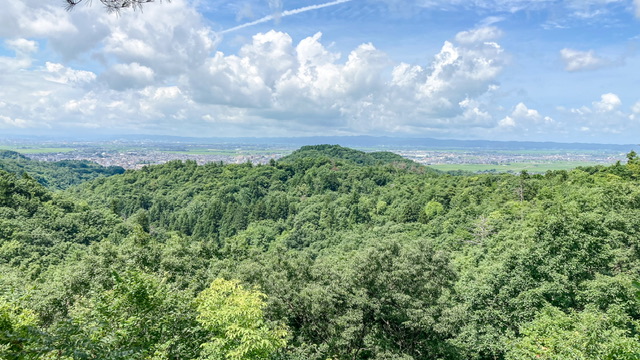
pixel 576 60
pixel 163 72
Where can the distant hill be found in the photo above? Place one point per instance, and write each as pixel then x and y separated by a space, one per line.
pixel 55 175
pixel 7 154
pixel 354 156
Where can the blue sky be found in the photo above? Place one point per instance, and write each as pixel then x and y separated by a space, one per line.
pixel 538 70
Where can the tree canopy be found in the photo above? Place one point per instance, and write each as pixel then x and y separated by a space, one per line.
pixel 322 256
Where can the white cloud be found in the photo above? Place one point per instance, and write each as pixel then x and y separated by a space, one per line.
pixel 522 112
pixel 312 86
pixel 483 34
pixel 157 67
pixel 84 106
pixel 636 3
pixel 272 54
pixel 576 60
pixel 608 103
pixel 526 120
pixel 159 70
pixel 169 39
pixel 23 49
pixel 283 81
pixel 7 122
pixel 13 64
pixel 22 46
pixel 603 118
pixel 32 18
pixel 166 37
pixel 270 72
pixel 458 72
pixel 473 114
pixel 126 76
pixel 162 93
pixel 507 122
pixel 635 111
pixel 64 75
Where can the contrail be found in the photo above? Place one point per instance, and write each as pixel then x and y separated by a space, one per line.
pixel 283 14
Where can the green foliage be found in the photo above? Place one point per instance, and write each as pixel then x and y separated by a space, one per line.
pixel 235 318
pixel 356 257
pixel 589 334
pixel 313 154
pixel 17 331
pixel 55 175
pixel 432 209
pixel 141 317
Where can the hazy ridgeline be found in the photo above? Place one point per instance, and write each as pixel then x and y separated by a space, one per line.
pixel 328 253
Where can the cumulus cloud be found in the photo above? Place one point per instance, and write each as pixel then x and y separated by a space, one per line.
pixel 507 122
pixel 272 83
pixel 168 39
pixel 271 72
pixel 22 46
pixel 362 90
pixel 7 122
pixel 23 49
pixel 161 68
pixel 604 117
pixel 522 112
pixel 126 76
pixel 459 71
pixel 487 33
pixel 33 18
pixel 129 52
pixel 526 120
pixel 608 103
pixel 84 106
pixel 576 60
pixel 60 74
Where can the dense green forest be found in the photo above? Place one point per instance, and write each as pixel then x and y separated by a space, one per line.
pixel 55 175
pixel 329 253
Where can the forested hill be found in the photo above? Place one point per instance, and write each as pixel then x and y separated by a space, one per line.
pixel 55 175
pixel 322 259
pixel 337 152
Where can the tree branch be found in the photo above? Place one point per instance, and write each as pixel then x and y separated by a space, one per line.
pixel 112 5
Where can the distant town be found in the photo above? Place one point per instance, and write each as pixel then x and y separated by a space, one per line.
pixel 135 154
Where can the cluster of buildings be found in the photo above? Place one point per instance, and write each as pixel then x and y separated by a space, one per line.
pixel 138 159
pixel 440 157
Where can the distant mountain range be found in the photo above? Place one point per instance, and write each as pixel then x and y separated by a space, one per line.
pixel 352 141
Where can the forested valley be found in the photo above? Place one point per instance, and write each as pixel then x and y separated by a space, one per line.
pixel 328 253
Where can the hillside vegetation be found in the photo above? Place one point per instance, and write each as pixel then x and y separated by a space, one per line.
pixel 58 174
pixel 337 152
pixel 329 253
